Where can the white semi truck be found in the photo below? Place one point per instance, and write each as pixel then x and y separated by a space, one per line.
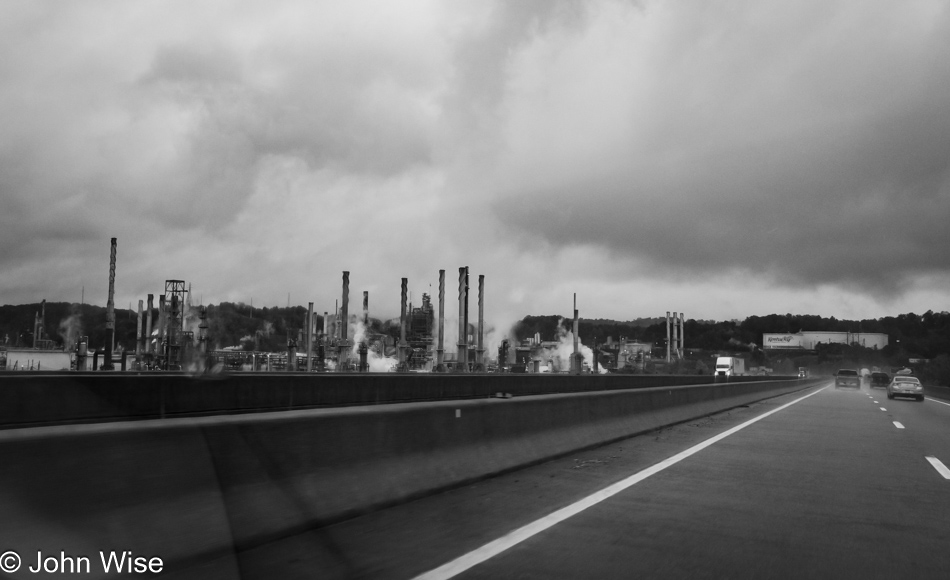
pixel 729 366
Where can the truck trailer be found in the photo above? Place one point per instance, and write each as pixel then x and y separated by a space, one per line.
pixel 729 366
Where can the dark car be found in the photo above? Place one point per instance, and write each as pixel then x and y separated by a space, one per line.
pixel 847 378
pixel 881 380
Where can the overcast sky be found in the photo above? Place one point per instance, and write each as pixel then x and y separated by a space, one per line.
pixel 722 159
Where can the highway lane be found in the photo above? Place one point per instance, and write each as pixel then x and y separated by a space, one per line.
pixel 827 487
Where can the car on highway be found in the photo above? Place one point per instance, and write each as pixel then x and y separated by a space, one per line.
pixel 905 386
pixel 847 378
pixel 879 379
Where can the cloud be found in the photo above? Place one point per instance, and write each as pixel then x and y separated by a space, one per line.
pixel 698 140
pixel 616 149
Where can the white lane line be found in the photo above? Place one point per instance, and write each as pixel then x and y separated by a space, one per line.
pixel 492 549
pixel 876 403
pixel 898 425
pixel 883 409
pixel 936 401
pixel 939 466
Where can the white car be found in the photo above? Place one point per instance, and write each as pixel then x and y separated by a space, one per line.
pixel 905 386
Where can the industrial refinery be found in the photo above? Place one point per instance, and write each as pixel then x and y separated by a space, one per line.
pixel 172 334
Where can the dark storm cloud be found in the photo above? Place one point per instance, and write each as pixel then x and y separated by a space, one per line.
pixel 812 163
pixel 255 147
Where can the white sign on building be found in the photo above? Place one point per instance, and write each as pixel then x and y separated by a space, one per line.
pixel 809 340
pixel 783 341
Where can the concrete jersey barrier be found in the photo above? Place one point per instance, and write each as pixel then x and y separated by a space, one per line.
pixel 202 492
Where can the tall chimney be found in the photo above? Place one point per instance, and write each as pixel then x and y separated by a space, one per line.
pixel 173 333
pixel 366 308
pixel 110 313
pixel 667 336
pixel 402 323
pixel 466 315
pixel 676 334
pixel 480 349
pixel 162 317
pixel 578 357
pixel 139 339
pixel 440 350
pixel 682 333
pixel 203 338
pixel 462 347
pixel 39 333
pixel 310 337
pixel 148 325
pixel 574 329
pixel 344 314
pixel 323 343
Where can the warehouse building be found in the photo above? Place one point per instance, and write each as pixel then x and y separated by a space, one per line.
pixel 808 340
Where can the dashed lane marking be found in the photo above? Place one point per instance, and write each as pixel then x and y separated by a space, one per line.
pixel 492 549
pixel 898 425
pixel 939 466
pixel 883 409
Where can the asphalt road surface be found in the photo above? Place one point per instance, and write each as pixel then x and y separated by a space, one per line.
pixel 822 483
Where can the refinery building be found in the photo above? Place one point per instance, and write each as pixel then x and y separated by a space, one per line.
pixel 805 340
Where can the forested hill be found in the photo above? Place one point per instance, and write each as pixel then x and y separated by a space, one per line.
pixel 926 335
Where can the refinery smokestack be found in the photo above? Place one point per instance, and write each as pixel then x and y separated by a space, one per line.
pixel 463 315
pixel 310 337
pixel 574 326
pixel 344 313
pixel 160 345
pixel 39 328
pixel 110 312
pixel 139 339
pixel 667 336
pixel 676 333
pixel 401 347
pixel 322 343
pixel 148 325
pixel 466 316
pixel 440 350
pixel 682 333
pixel 343 353
pixel 203 337
pixel 366 308
pixel 577 357
pixel 480 349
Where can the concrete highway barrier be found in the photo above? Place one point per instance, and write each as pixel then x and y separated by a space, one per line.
pixel 30 399
pixel 199 492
